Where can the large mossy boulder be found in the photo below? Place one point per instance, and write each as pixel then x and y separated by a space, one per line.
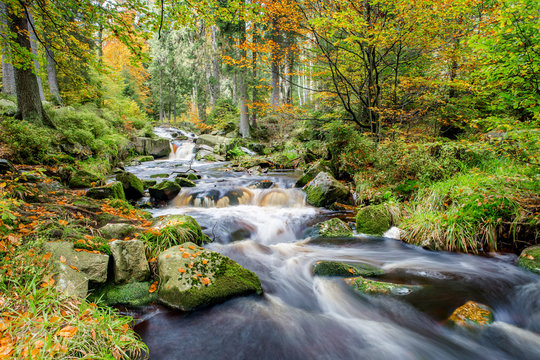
pixel 311 172
pixel 471 315
pixel 81 179
pixel 324 190
pixel 192 277
pixel 133 186
pixel 182 228
pixel 164 191
pixel 118 230
pixel 338 268
pixel 129 260
pixel 333 228
pixel 157 147
pixel 374 220
pixel 366 286
pixel 530 259
pixel 132 294
pixel 111 191
pixel 213 140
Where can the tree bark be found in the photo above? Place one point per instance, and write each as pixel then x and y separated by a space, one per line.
pixel 214 80
pixel 8 74
pixel 275 97
pixel 242 90
pixel 52 76
pixel 33 46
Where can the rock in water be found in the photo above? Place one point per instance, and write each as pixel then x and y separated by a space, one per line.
pixel 183 182
pixel 530 259
pixel 518 343
pixel 192 277
pixel 311 172
pixel 471 314
pixel 164 191
pixel 156 147
pixel 130 262
pixel 133 186
pixel 337 268
pixel 374 220
pixel 324 190
pixel 366 286
pixel 334 228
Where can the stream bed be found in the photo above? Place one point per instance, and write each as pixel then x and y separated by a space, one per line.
pixel 302 316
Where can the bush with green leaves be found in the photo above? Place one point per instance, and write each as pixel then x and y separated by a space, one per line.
pixel 224 115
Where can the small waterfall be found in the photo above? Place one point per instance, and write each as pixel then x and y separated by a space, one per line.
pixel 182 150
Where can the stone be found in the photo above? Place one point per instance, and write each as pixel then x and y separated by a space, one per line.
pixel 374 220
pixel 149 183
pixel 262 184
pixel 186 228
pixel 338 268
pixel 183 182
pixel 111 191
pixel 155 176
pixel 192 277
pixel 519 343
pixel 81 179
pixel 129 261
pixel 164 191
pixel 334 228
pixel 145 158
pixel 132 294
pixel 118 230
pixel 190 176
pixel 133 186
pixel 324 190
pixel 213 140
pixel 530 259
pixel 157 147
pixel 471 315
pixel 8 107
pixel 6 166
pixel 366 286
pixel 311 172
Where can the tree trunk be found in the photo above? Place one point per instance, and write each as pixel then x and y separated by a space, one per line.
pixel 160 95
pixel 28 101
pixel 214 80
pixel 242 90
pixel 33 46
pixel 52 77
pixel 254 100
pixel 8 74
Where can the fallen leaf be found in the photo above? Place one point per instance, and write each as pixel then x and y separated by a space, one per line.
pixel 191 247
pixel 205 281
pixel 167 256
pixel 351 270
pixel 62 259
pixel 185 255
pixel 153 287
pixel 67 331
pixel 74 268
pixel 205 262
pixel 182 270
pixel 62 222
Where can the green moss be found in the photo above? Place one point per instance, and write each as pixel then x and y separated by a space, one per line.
pixel 311 172
pixel 133 186
pixel 133 294
pixel 159 176
pixel 316 196
pixel 149 183
pixel 145 158
pixel 334 228
pixel 184 182
pixel 366 286
pixel 373 220
pixel 192 176
pixel 336 268
pixel 530 259
pixel 165 190
pixel 83 179
pixel 471 314
pixel 111 191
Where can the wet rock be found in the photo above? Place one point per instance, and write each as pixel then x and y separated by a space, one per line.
pixel 190 176
pixel 471 314
pixel 312 172
pixel 530 259
pixel 192 277
pixel 148 183
pixel 366 286
pixel 133 186
pixel 132 294
pixel 156 147
pixel 118 230
pixel 213 140
pixel 111 191
pixel 164 191
pixel 334 228
pixel 183 182
pixel 337 268
pixel 324 190
pixel 83 179
pixel 129 261
pixel 518 343
pixel 262 184
pixel 145 158
pixel 374 220
pixel 208 155
pixel 185 227
pixel 159 176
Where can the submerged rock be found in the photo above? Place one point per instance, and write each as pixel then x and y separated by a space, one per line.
pixel 183 182
pixel 530 259
pixel 334 228
pixel 471 314
pixel 311 172
pixel 324 190
pixel 111 191
pixel 130 262
pixel 192 277
pixel 374 220
pixel 338 268
pixel 164 191
pixel 132 294
pixel 133 186
pixel 366 286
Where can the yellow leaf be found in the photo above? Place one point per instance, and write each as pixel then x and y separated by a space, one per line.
pixel 67 331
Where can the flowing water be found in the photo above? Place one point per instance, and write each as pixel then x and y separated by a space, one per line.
pixel 301 316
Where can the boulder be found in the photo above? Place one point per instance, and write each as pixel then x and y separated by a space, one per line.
pixel 262 184
pixel 334 228
pixel 366 286
pixel 6 166
pixel 155 176
pixel 338 268
pixel 132 294
pixel 164 191
pixel 189 176
pixel 183 182
pixel 149 183
pixel 129 261
pixel 157 147
pixel 213 140
pixel 111 191
pixel 118 230
pixel 74 269
pixel 145 158
pixel 324 190
pixel 185 228
pixel 311 172
pixel 133 186
pixel 530 259
pixel 81 179
pixel 8 107
pixel 192 277
pixel 374 220
pixel 518 343
pixel 471 315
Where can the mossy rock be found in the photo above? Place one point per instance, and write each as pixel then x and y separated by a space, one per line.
pixel 145 158
pixel 183 228
pixel 366 286
pixel 324 190
pixel 132 294
pixel 192 277
pixel 373 220
pixel 471 315
pixel 164 191
pixel 312 172
pixel 133 186
pixel 81 179
pixel 149 183
pixel 530 259
pixel 337 268
pixel 183 182
pixel 157 176
pixel 119 230
pixel 334 228
pixel 111 191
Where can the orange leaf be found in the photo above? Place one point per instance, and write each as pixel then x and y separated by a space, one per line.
pixel 182 270
pixel 74 268
pixel 185 255
pixel 191 247
pixel 153 287
pixel 62 222
pixel 205 262
pixel 67 331
pixel 62 259
pixel 205 281
pixel 47 256
pixel 351 271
